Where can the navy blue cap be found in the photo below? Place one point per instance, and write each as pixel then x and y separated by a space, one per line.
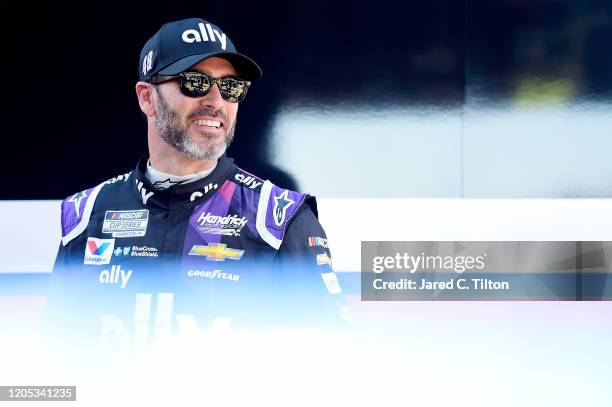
pixel 181 44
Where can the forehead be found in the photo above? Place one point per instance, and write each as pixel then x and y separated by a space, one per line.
pixel 215 66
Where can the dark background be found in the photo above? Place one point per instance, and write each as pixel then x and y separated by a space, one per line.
pixel 70 118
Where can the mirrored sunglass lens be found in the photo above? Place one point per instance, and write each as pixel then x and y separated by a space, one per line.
pixel 233 90
pixel 195 84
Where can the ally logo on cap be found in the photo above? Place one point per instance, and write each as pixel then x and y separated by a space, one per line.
pixel 206 33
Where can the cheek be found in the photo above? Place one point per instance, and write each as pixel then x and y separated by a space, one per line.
pixel 180 104
pixel 183 110
pixel 232 111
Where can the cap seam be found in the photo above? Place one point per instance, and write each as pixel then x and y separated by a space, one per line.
pixel 159 46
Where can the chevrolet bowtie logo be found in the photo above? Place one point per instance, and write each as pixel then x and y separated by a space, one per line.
pixel 216 251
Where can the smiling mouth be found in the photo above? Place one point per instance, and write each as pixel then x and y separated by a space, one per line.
pixel 208 123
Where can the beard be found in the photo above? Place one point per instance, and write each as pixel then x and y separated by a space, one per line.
pixel 176 133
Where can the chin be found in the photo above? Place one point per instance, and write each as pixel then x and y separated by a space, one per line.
pixel 206 150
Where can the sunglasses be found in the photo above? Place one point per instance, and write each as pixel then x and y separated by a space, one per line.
pixel 197 84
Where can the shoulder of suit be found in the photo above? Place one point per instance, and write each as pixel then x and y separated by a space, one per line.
pixel 276 208
pixel 76 209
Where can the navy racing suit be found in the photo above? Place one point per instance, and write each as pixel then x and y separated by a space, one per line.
pixel 230 247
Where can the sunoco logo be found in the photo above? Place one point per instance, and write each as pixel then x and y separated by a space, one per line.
pixel 230 225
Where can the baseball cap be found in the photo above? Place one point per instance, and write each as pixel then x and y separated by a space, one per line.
pixel 181 44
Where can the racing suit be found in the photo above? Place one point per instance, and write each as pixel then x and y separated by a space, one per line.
pixel 229 247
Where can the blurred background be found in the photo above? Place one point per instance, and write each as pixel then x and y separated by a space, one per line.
pixel 436 99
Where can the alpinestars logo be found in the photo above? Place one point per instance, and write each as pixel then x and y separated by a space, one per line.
pixel 165 184
pixel 206 33
pixel 76 200
pixel 281 204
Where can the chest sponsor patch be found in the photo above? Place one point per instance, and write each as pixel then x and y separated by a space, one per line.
pixel 323 259
pixel 98 251
pixel 116 276
pixel 213 274
pixel 314 241
pixel 126 223
pixel 216 252
pixel 248 180
pixel 331 283
pixel 137 251
pixel 230 225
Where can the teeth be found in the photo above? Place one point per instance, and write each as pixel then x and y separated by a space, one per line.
pixel 209 123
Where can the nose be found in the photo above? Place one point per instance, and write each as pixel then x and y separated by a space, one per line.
pixel 213 98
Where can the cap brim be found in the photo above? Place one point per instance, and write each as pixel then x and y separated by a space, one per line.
pixel 245 67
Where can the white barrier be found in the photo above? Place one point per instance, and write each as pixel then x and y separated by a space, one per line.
pixel 31 229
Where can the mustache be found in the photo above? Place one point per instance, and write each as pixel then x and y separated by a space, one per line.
pixel 207 112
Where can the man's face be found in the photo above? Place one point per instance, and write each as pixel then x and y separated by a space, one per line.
pixel 202 128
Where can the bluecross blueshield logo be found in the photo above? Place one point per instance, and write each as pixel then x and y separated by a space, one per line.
pixel 122 251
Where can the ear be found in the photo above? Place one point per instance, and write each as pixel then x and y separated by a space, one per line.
pixel 144 93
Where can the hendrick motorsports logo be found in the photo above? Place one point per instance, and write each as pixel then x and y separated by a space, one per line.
pixel 216 252
pixel 126 223
pixel 230 225
pixel 98 251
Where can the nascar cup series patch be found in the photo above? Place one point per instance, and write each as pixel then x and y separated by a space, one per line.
pixel 126 223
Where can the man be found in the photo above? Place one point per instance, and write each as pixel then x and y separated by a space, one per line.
pixel 187 220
